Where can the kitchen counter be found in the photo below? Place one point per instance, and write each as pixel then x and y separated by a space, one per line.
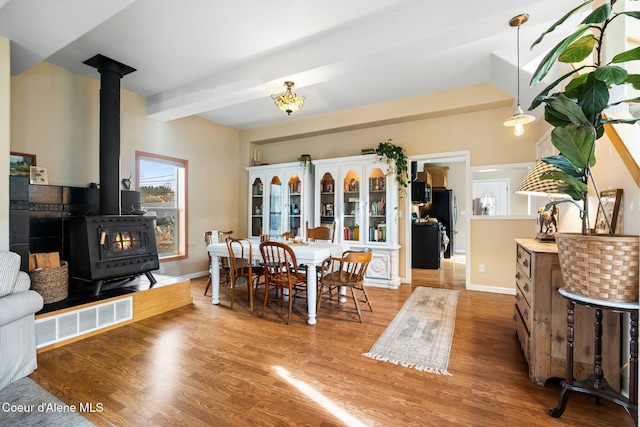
pixel 426 245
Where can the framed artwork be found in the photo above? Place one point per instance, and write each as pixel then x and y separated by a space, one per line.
pixel 611 206
pixel 20 163
pixel 38 175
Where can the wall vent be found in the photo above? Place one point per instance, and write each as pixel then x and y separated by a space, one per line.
pixel 51 330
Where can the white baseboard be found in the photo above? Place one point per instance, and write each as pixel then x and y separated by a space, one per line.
pixel 196 274
pixel 479 288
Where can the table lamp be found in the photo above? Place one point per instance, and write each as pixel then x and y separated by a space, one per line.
pixel 533 185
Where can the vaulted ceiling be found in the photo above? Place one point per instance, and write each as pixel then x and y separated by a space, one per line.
pixel 223 59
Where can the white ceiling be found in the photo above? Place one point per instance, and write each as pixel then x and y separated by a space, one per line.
pixel 223 59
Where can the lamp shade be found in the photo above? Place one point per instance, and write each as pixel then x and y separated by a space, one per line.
pixel 534 186
pixel 288 101
pixel 519 118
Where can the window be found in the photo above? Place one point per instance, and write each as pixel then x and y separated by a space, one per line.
pixel 488 203
pixel 162 182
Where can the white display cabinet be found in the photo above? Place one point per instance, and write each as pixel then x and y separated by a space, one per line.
pixel 280 199
pixel 359 195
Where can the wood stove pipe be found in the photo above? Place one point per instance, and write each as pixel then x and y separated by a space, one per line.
pixel 111 72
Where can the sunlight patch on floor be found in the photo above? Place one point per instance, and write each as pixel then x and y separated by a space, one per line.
pixel 166 363
pixel 320 399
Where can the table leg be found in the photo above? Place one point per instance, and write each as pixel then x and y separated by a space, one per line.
pixel 564 395
pixel 215 280
pixel 343 294
pixel 312 289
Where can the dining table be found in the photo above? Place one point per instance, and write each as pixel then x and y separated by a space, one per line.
pixel 310 254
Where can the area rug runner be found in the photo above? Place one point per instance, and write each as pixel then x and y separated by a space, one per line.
pixel 24 403
pixel 421 333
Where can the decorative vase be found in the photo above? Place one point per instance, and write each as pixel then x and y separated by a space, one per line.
pixel 600 266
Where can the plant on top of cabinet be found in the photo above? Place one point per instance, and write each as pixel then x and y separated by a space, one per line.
pixel 388 152
pixel 305 159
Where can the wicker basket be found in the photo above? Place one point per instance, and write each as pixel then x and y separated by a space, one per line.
pixel 600 266
pixel 51 283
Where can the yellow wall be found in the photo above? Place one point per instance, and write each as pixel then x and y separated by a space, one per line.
pixel 493 246
pixel 420 128
pixel 55 115
pixel 5 73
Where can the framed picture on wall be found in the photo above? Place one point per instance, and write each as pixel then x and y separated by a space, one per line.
pixel 38 175
pixel 20 163
pixel 611 200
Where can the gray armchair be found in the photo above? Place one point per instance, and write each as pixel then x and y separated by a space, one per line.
pixel 18 306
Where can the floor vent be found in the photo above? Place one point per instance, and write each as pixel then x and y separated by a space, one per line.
pixel 61 327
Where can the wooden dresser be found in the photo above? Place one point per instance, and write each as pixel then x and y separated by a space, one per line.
pixel 541 320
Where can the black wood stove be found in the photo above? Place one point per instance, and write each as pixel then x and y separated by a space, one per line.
pixel 109 250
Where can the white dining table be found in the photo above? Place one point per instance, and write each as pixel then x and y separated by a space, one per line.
pixel 310 254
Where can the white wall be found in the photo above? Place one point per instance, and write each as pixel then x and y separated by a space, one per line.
pixel 610 172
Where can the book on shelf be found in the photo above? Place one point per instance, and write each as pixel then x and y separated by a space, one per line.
pixel 377 208
pixel 377 184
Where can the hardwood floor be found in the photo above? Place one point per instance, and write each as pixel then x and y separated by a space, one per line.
pixel 206 365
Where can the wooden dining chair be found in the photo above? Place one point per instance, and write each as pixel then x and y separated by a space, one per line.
pixel 284 283
pixel 242 269
pixel 348 271
pixel 288 235
pixel 210 237
pixel 321 233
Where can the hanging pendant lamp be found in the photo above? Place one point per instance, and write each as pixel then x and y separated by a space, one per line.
pixel 288 101
pixel 519 119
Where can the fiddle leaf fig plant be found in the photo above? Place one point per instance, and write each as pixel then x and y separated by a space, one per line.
pixel 577 113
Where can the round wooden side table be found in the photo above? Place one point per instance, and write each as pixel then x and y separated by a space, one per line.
pixel 595 384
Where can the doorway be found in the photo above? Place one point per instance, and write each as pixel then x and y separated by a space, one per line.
pixel 459 181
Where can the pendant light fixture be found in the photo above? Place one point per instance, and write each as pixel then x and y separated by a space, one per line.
pixel 519 119
pixel 288 101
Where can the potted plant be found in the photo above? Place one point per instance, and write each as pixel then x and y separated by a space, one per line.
pixel 304 159
pixel 388 152
pixel 577 115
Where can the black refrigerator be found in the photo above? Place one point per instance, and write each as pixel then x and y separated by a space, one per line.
pixel 444 207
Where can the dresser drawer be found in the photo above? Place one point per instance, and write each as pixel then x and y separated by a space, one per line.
pixel 523 335
pixel 523 258
pixel 524 309
pixel 523 284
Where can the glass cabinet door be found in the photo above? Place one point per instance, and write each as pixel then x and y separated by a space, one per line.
pixel 257 193
pixel 275 207
pixel 377 215
pixel 327 200
pixel 351 207
pixel 294 205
